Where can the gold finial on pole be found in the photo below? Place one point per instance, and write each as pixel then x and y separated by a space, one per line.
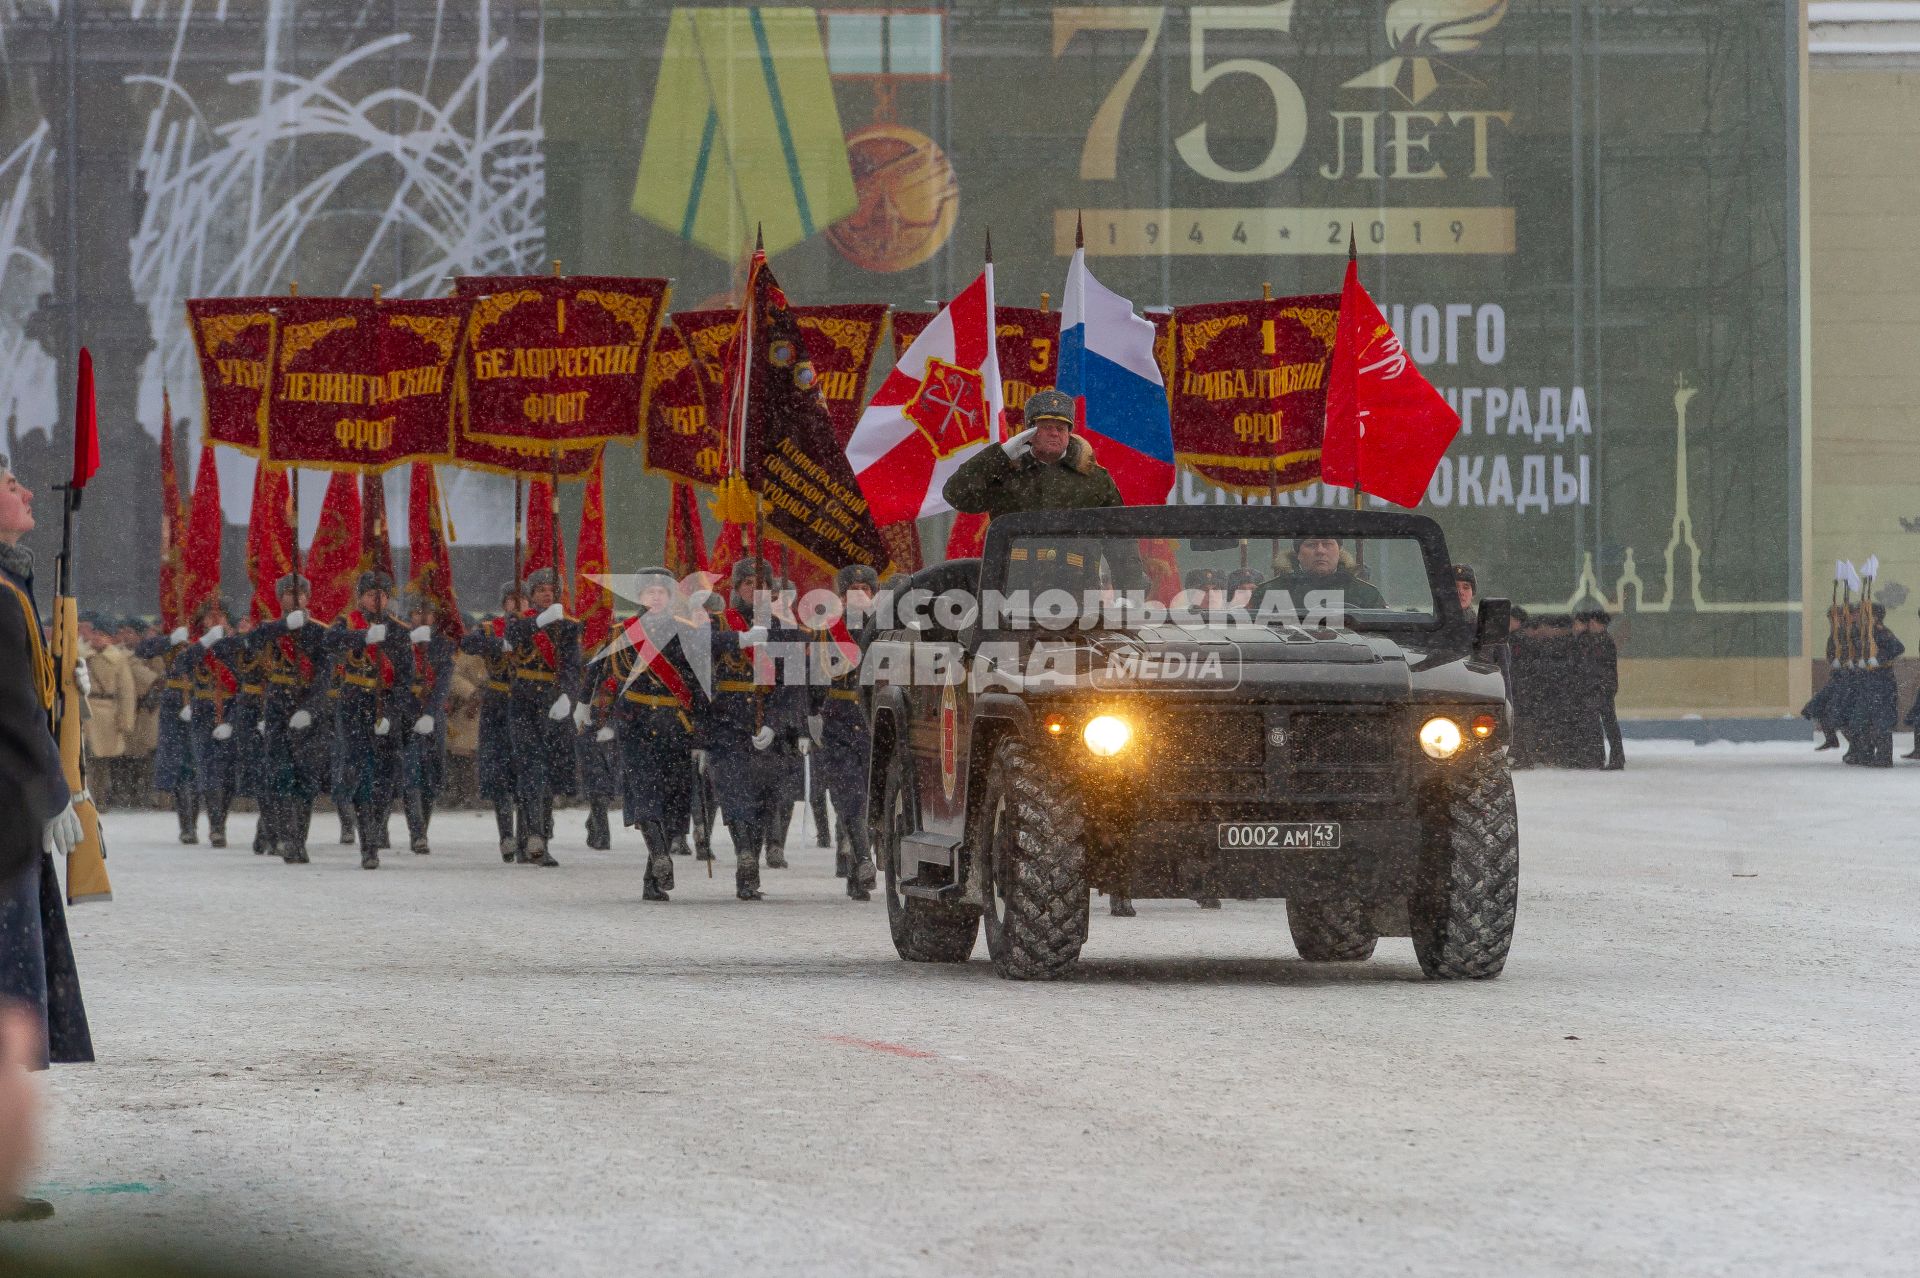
pixel 556 266
pixel 1046 302
pixel 376 292
pixel 1266 292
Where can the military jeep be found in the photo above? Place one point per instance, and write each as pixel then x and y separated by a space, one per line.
pixel 1085 707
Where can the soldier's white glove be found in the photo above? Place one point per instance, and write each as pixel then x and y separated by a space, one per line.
pixel 700 763
pixel 604 735
pixel 580 715
pixel 553 613
pixel 214 635
pixel 376 633
pixel 817 729
pixel 421 634
pixel 382 726
pixel 64 832
pixel 299 721
pixel 506 645
pixel 83 678
pixel 261 727
pixel 804 746
pixel 423 725
pixel 297 618
pixel 763 738
pixel 222 731
pixel 1020 445
pixel 562 707
pixel 186 713
pixel 753 636
pixel 179 635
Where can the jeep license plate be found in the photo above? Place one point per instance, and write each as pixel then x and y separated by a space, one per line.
pixel 1281 836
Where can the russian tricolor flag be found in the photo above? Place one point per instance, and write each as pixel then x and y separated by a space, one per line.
pixel 1107 365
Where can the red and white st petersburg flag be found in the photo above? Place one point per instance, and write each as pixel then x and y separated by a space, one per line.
pixel 938 406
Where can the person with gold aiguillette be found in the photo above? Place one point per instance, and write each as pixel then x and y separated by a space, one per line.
pixel 647 702
pixel 493 765
pixel 209 665
pixel 295 718
pixel 172 754
pixel 374 658
pixel 843 744
pixel 249 733
pixel 542 717
pixel 426 748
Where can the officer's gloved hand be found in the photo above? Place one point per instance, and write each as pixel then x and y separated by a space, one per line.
pixel 297 618
pixel 299 721
pixel 817 729
pixel 700 762
pixel 753 636
pixel 423 725
pixel 382 726
pixel 804 746
pixel 64 832
pixel 179 635
pixel 604 735
pixel 214 635
pixel 580 713
pixel 261 727
pixel 83 678
pixel 553 613
pixel 421 634
pixel 376 633
pixel 562 707
pixel 222 731
pixel 763 738
pixel 186 713
pixel 1020 445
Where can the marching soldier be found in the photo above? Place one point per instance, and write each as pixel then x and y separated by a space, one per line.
pixel 208 666
pixel 425 753
pixel 1876 700
pixel 838 727
pixel 710 611
pixel 373 653
pixel 599 757
pixel 546 663
pixel 172 755
pixel 295 718
pixel 494 762
pixel 795 775
pixel 248 730
pixel 647 704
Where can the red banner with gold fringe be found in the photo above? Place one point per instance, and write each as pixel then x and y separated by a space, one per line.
pixel 233 339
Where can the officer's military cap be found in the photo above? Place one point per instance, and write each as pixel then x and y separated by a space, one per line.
pixel 856 574
pixel 541 577
pixel 1201 579
pixel 647 578
pixel 1464 572
pixel 1049 405
pixel 1243 577
pixel 758 569
pixel 291 583
pixel 374 581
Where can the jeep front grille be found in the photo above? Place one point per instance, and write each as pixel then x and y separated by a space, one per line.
pixel 1338 754
pixel 1210 753
pixel 1344 755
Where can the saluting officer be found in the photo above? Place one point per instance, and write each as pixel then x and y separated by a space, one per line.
pixel 493 765
pixel 425 754
pixel 212 686
pixel 173 755
pixel 294 717
pixel 648 704
pixel 375 664
pixel 546 662
pixel 838 727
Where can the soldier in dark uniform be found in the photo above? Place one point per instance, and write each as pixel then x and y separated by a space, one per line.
pixel 494 763
pixel 599 756
pixel 648 706
pixel 172 755
pixel 843 745
pixel 374 654
pixel 1319 565
pixel 794 787
pixel 296 716
pixel 212 689
pixel 248 755
pixel 704 807
pixel 1241 583
pixel 546 663
pixel 425 753
pixel 1875 704
pixel 757 726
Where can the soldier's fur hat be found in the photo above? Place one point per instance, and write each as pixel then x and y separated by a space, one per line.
pixel 373 580
pixel 541 577
pixel 759 569
pixel 509 590
pixel 1049 405
pixel 1243 577
pixel 1201 579
pixel 207 608
pixel 647 578
pixel 859 573
pixel 293 584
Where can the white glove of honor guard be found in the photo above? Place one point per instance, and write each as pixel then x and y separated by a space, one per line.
pixel 1020 445
pixel 222 731
pixel 64 832
pixel 423 725
pixel 763 738
pixel 299 721
pixel 817 729
pixel 700 763
pixel 382 726
pixel 186 713
pixel 604 735
pixel 506 645
pixel 804 746
pixel 297 618
pixel 214 635
pixel 753 636
pixel 562 707
pixel 421 634
pixel 580 713
pixel 261 727
pixel 179 635
pixel 83 678
pixel 376 633
pixel 553 613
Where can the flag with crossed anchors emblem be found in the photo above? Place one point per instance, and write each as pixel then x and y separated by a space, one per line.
pixel 940 403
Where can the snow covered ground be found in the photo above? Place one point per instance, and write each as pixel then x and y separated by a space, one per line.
pixel 458 1067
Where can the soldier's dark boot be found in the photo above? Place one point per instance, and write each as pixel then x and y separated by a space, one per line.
pixel 188 812
pixel 842 854
pixel 1833 742
pixel 822 827
pixel 299 817
pixel 599 834
pixel 746 882
pixel 347 831
pixel 417 816
pixel 777 835
pixel 680 847
pixel 369 853
pixel 216 825
pixel 537 853
pixel 861 879
pixel 1120 905
pixel 503 823
pixel 659 879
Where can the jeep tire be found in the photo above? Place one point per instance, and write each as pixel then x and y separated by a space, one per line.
pixel 1032 856
pixel 1331 931
pixel 923 931
pixel 1461 915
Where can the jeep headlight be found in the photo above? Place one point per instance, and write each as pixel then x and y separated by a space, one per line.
pixel 1440 738
pixel 1106 735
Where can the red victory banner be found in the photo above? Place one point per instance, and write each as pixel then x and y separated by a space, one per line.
pixel 908 325
pixel 360 384
pixel 270 538
pixel 233 337
pixel 429 561
pixel 1249 392
pixel 841 342
pixel 1028 343
pixel 523 460
pixel 683 439
pixel 555 360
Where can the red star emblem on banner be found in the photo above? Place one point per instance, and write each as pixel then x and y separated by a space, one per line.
pixel 949 407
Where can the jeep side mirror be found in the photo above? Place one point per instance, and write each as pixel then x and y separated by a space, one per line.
pixel 1490 630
